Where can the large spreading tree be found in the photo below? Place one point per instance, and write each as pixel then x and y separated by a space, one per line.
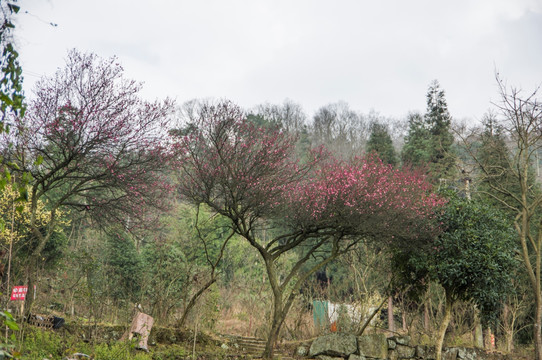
pixel 321 208
pixel 92 146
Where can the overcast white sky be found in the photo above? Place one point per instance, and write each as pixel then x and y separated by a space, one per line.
pixel 378 55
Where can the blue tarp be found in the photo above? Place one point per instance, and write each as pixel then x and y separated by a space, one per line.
pixel 319 313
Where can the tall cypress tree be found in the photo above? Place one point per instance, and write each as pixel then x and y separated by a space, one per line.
pixel 439 122
pixel 416 150
pixel 380 142
pixel 429 140
pixel 438 119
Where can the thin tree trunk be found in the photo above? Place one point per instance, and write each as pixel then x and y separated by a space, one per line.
pixel 443 326
pixel 391 320
pixel 8 287
pixel 537 327
pixel 279 315
pixel 249 333
pixel 193 300
pixel 195 337
pixel 478 333
pixel 278 311
pixel 426 316
pixel 31 281
pixel 368 321
pixel 273 334
pixel 509 320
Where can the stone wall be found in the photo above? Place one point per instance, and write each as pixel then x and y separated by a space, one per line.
pixel 340 346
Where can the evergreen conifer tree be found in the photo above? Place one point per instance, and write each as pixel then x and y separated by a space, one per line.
pixel 381 143
pixel 429 140
pixel 439 121
pixel 416 150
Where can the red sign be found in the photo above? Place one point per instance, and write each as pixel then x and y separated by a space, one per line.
pixel 19 292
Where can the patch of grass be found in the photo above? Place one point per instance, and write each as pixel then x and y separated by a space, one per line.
pixel 119 351
pixel 39 344
pixel 169 352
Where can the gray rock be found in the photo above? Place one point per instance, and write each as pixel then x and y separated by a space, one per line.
pixel 461 353
pixel 405 352
pixel 336 344
pixel 420 351
pixel 403 340
pixel 357 357
pixel 392 355
pixel 325 357
pixel 391 344
pixel 302 350
pixel 373 346
pixel 425 352
pixel 466 353
pixel 449 354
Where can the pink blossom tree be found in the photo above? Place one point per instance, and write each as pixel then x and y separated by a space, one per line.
pixel 90 145
pixel 322 206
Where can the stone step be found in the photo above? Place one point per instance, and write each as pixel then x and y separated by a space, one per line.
pixel 254 346
pixel 251 342
pixel 251 346
pixel 244 338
